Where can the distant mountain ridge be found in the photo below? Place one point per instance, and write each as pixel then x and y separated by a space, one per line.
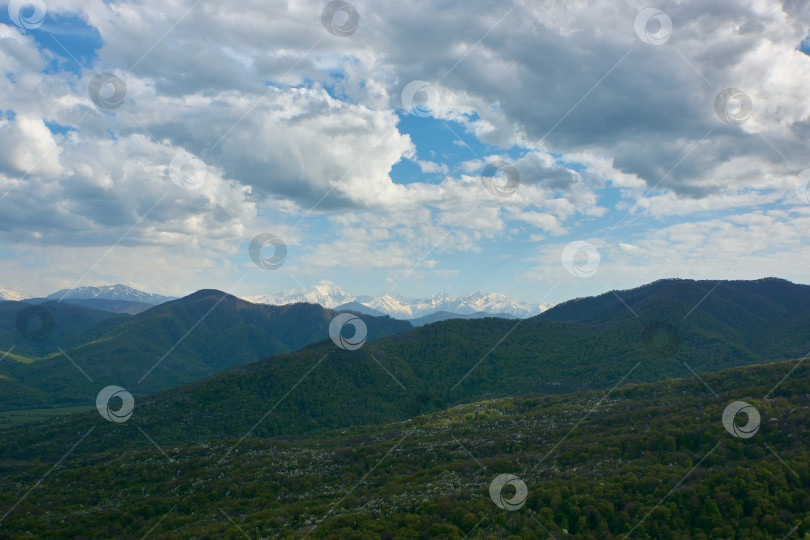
pixel 446 315
pixel 183 341
pixel 111 292
pixel 128 307
pixel 332 296
pixel 326 294
pixel 12 295
pixel 360 308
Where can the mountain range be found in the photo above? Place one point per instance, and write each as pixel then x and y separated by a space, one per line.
pixel 176 342
pixel 255 418
pixel 330 295
pixel 110 292
pixel 326 294
pixel 641 335
pixel 112 298
pixel 105 292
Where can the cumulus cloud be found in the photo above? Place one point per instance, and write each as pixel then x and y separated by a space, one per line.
pixel 293 122
pixel 745 246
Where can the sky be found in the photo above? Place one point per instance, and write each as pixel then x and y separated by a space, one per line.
pixel 543 150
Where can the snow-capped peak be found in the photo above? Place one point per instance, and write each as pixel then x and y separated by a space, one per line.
pixel 330 295
pixel 398 308
pixel 324 293
pixel 110 292
pixel 12 295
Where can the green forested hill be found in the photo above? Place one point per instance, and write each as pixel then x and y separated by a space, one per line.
pixel 196 336
pixel 641 461
pixel 762 299
pixel 62 321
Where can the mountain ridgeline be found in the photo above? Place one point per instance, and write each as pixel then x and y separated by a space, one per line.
pixel 668 329
pixel 174 343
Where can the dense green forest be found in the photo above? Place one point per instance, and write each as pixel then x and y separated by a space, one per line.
pixel 640 461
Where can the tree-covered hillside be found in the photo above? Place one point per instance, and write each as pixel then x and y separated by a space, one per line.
pixel 643 461
pixel 177 342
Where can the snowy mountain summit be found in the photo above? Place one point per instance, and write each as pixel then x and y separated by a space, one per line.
pixel 325 293
pixel 111 292
pixel 12 296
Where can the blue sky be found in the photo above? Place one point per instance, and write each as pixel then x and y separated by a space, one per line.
pixel 285 128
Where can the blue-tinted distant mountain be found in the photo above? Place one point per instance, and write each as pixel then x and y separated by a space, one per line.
pixel 113 306
pixel 52 325
pixel 446 315
pixel 360 308
pixel 111 292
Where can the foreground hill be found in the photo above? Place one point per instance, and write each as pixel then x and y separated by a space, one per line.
pixel 642 461
pixel 171 344
pixel 323 387
pixel 767 316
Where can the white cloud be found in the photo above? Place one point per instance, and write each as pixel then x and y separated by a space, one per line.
pixel 291 119
pixel 746 246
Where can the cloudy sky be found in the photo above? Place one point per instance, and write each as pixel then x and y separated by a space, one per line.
pixel 545 150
